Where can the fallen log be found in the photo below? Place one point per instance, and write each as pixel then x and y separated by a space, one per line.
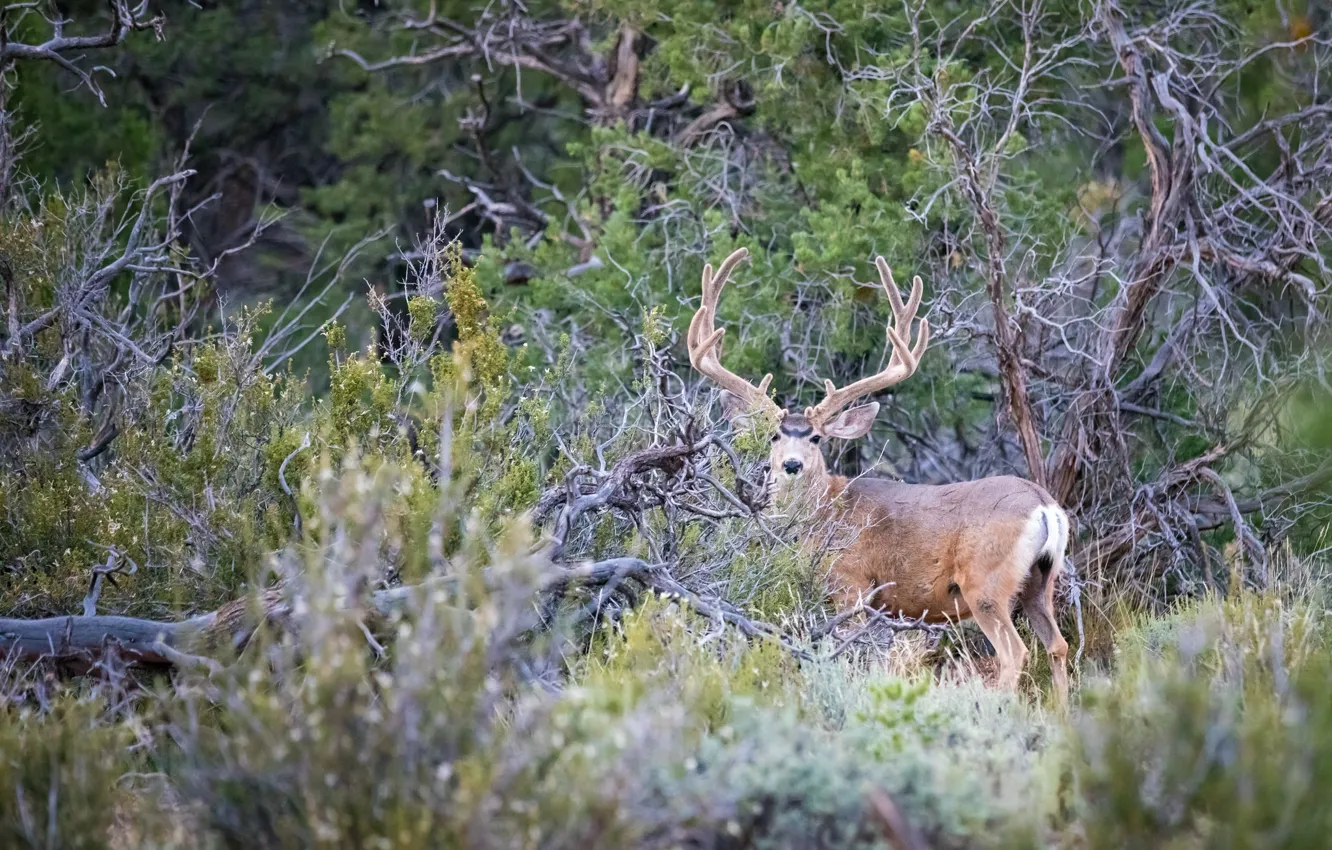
pixel 82 640
pixel 199 641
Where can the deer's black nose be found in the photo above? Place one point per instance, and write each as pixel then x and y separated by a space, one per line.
pixel 792 467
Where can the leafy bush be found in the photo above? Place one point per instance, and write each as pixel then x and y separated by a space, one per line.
pixel 61 767
pixel 1215 732
pixel 182 494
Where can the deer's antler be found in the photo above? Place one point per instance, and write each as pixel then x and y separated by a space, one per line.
pixel 900 366
pixel 704 340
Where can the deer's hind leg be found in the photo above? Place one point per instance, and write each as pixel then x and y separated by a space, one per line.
pixel 1038 604
pixel 992 611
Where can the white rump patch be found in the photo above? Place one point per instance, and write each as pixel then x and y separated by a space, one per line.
pixel 1046 533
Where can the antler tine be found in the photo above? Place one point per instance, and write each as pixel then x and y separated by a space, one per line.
pixel 903 315
pixel 704 340
pixel 905 357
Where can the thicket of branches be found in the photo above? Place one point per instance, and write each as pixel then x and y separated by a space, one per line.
pixel 1122 212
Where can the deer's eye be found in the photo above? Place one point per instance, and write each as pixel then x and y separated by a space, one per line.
pixel 814 439
pixel 776 437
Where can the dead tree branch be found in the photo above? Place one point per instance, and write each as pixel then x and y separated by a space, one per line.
pixel 613 489
pixel 60 47
pixel 1007 340
pixel 888 817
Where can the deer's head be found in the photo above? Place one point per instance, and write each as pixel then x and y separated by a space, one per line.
pixel 797 453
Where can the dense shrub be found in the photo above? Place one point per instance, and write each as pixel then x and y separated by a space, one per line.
pixel 1215 731
pixel 62 771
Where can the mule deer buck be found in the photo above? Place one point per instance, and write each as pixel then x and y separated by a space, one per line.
pixel 936 552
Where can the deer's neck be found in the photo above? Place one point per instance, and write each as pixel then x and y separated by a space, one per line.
pixel 834 486
pixel 824 489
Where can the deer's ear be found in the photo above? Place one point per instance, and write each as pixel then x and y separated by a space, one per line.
pixel 734 408
pixel 853 423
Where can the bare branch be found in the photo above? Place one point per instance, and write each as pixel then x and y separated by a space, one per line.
pixel 125 19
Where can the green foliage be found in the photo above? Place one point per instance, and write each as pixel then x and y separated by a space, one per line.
pixel 1215 733
pixel 653 652
pixel 197 425
pixel 777 585
pixel 894 713
pixel 193 487
pixel 76 136
pixel 58 772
